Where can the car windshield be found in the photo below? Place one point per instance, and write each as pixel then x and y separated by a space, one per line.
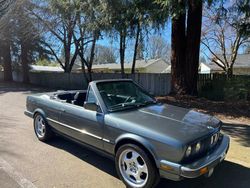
pixel 122 95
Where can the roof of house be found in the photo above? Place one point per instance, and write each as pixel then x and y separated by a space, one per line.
pixel 111 66
pixel 242 61
pixel 213 66
pixel 38 68
pixel 139 64
pixel 167 70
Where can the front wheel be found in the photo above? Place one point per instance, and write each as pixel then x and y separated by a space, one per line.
pixel 135 168
pixel 41 128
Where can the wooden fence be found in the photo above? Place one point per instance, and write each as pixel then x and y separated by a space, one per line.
pixel 157 84
pixel 1 75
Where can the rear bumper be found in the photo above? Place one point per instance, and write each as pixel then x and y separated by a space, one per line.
pixel 177 172
pixel 28 113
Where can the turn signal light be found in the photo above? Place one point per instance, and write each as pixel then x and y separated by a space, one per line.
pixel 203 170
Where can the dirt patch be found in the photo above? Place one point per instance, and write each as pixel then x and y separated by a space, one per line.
pixel 229 111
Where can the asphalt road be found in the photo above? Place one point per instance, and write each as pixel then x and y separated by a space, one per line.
pixel 26 162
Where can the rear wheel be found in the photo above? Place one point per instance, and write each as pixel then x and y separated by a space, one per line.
pixel 135 167
pixel 41 128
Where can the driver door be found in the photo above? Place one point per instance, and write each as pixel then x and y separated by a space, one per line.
pixel 82 124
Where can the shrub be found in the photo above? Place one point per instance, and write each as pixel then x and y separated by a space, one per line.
pixel 236 88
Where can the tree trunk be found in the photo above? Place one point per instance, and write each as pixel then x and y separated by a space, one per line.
pixel 84 72
pixel 92 56
pixel 6 54
pixel 229 72
pixel 193 38
pixel 122 51
pixel 178 54
pixel 136 46
pixel 67 58
pixel 67 68
pixel 24 61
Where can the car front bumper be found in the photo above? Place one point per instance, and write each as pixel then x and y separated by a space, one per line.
pixel 202 166
pixel 28 113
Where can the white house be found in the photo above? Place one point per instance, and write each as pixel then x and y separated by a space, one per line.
pixel 241 66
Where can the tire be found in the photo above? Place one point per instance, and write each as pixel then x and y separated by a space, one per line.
pixel 41 128
pixel 135 167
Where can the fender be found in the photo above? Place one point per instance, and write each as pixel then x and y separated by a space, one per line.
pixel 136 138
pixel 40 111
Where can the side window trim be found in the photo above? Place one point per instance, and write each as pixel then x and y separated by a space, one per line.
pixel 90 89
pixel 97 100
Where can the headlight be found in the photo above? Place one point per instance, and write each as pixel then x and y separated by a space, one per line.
pixel 189 150
pixel 214 138
pixel 197 147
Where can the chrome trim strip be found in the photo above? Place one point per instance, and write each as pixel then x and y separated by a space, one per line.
pixel 79 130
pixel 75 129
pixel 106 140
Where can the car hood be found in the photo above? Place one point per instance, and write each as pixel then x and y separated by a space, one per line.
pixel 168 122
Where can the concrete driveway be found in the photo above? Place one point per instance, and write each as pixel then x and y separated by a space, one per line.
pixel 26 162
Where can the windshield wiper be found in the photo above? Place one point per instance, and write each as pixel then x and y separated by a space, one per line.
pixel 124 105
pixel 149 102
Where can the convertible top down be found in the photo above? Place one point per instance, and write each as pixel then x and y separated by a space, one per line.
pixel 147 139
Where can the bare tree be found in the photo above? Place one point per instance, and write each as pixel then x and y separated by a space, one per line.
pixel 59 21
pixel 104 55
pixel 86 56
pixel 158 47
pixel 223 36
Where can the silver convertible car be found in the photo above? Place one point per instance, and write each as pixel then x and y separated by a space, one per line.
pixel 147 139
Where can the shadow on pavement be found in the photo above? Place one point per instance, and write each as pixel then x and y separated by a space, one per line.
pixel 238 131
pixel 103 163
pixel 227 174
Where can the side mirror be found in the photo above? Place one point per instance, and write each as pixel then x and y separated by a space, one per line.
pixel 91 106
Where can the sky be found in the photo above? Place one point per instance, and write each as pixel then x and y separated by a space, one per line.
pixel 165 33
pixel 114 42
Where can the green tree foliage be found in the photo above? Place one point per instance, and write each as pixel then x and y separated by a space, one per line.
pixel 21 38
pixel 119 17
pixel 127 19
pixel 28 36
pixel 147 14
pixel 241 11
pixel 5 5
pixel 5 53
